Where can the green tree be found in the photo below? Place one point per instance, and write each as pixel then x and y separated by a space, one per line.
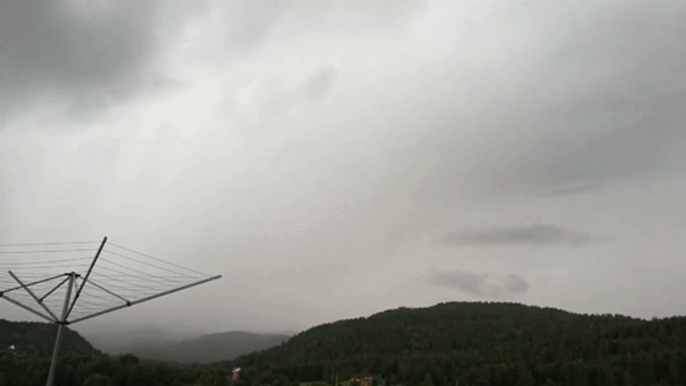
pixel 128 359
pixel 672 368
pixel 428 381
pixel 609 378
pixel 98 380
pixel 628 379
pixel 212 377
pixel 524 377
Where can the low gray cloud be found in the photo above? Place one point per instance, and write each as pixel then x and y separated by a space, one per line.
pixel 320 84
pixel 528 235
pixel 515 284
pixel 480 284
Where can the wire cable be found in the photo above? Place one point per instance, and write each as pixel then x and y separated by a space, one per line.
pixel 46 251
pixel 29 263
pixel 147 275
pixel 157 259
pixel 48 244
pixel 151 278
pixel 144 263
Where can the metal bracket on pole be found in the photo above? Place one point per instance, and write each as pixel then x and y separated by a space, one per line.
pixel 33 295
pixel 54 289
pixel 34 283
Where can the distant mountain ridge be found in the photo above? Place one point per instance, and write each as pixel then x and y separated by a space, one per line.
pixel 117 340
pixel 38 339
pixel 207 348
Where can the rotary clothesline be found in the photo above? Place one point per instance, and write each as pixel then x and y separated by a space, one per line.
pixel 123 275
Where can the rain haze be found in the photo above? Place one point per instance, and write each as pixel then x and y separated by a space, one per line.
pixel 336 159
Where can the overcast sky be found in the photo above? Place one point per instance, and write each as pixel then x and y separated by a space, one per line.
pixel 332 159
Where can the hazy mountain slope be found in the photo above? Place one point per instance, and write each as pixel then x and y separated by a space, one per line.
pixel 37 339
pixel 121 339
pixel 207 348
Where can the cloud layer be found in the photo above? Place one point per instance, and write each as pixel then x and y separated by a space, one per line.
pixel 481 285
pixel 527 235
pixel 312 153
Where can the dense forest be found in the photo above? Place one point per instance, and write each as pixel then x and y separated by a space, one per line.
pixel 493 344
pixel 126 370
pixel 450 344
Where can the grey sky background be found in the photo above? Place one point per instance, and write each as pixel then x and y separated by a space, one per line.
pixel 334 159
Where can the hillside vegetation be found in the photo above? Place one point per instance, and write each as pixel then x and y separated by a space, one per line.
pixel 38 339
pixel 126 370
pixel 480 344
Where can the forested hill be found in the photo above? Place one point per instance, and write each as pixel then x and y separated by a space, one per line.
pixel 38 339
pixel 480 343
pixel 443 328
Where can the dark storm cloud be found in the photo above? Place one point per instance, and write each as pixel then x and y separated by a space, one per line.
pixel 82 54
pixel 529 235
pixel 480 284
